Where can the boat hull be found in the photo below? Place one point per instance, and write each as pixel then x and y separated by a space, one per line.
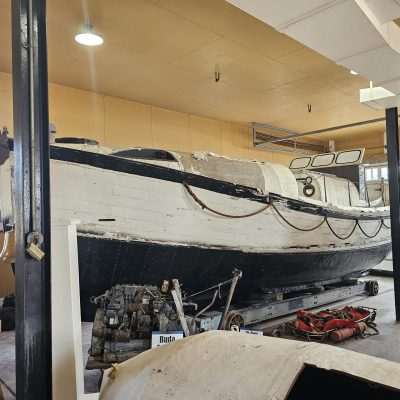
pixel 107 262
pixel 141 223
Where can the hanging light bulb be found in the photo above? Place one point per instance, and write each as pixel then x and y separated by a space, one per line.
pixel 88 37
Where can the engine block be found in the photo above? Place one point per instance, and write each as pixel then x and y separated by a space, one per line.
pixel 125 319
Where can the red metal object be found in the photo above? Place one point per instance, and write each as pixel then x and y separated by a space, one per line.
pixel 342 334
pixel 339 324
pixel 336 324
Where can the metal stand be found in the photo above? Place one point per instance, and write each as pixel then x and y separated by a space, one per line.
pixel 236 276
pixel 267 309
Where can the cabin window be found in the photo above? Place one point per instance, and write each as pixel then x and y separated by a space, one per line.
pixel 145 154
pixel 341 158
pixel 348 157
pixel 299 163
pixel 323 160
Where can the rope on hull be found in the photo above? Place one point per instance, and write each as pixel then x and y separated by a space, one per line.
pixel 271 203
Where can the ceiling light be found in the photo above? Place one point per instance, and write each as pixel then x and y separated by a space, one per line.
pixel 353 72
pixel 88 37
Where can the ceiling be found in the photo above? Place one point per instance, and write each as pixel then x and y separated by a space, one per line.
pixel 164 52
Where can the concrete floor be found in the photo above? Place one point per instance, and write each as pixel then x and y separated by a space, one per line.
pixel 386 345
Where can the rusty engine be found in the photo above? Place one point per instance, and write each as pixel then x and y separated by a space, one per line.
pixel 128 315
pixel 125 319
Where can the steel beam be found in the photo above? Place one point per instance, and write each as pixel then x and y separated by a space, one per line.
pixel 32 199
pixel 393 151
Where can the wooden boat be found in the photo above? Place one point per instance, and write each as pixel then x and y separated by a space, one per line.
pixel 150 214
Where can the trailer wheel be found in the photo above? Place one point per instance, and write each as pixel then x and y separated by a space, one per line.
pixel 372 288
pixel 276 332
pixel 233 321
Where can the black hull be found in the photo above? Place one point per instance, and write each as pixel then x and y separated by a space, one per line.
pixel 104 263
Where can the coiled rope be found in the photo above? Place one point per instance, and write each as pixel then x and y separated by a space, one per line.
pixel 271 204
pixel 206 207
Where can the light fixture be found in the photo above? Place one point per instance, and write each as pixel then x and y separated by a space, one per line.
pixel 353 72
pixel 88 37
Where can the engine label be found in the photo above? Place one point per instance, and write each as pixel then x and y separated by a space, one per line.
pixel 252 331
pixel 160 339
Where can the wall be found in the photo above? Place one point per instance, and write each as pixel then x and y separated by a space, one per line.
pixel 373 144
pixel 6 274
pixel 116 122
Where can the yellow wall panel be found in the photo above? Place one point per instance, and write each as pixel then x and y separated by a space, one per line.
pixel 6 274
pixel 228 132
pixel 170 129
pixel 6 107
pixel 76 112
pixel 7 280
pixel 282 158
pixel 206 134
pixel 260 155
pixel 128 123
pixel 120 123
pixel 373 144
pixel 235 140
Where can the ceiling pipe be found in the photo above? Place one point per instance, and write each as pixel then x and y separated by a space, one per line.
pixel 293 135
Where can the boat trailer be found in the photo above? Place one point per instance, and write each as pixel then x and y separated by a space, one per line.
pixel 285 301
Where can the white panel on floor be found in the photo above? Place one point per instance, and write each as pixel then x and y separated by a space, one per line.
pixel 68 377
